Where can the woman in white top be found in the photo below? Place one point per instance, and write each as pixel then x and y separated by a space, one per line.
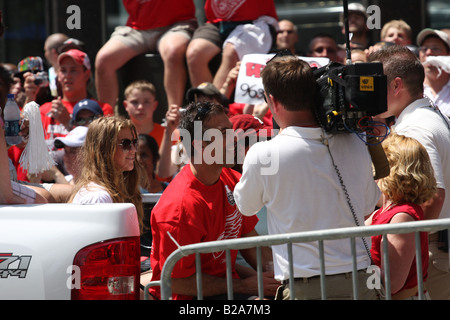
pixel 109 173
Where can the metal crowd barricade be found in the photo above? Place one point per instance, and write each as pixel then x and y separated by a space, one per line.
pixel 150 197
pixel 351 233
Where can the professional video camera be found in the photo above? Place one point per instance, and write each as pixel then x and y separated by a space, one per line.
pixel 350 94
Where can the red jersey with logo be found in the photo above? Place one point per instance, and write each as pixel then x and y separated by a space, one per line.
pixel 151 14
pixel 238 10
pixel 192 213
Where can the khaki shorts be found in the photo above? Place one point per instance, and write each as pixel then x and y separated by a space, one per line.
pixel 143 41
pixel 438 281
pixel 338 287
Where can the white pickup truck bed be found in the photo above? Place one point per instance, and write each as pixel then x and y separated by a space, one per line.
pixel 38 244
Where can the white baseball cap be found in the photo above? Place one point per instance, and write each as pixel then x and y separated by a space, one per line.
pixel 428 32
pixel 73 139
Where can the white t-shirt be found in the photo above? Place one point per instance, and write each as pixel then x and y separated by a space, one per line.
pixel 442 99
pixel 93 193
pixel 420 121
pixel 302 192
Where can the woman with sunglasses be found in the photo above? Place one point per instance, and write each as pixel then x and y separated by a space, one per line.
pixel 109 173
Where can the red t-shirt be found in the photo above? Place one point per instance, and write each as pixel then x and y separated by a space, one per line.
pixel 157 133
pixel 144 15
pixel 193 212
pixel 416 212
pixel 50 125
pixel 14 153
pixel 238 10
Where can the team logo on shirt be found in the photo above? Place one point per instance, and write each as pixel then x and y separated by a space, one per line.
pixel 224 9
pixel 230 196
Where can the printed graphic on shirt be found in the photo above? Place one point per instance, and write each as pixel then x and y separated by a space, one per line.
pixel 233 222
pixel 230 196
pixel 224 9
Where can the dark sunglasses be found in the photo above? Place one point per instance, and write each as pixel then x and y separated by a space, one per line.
pixel 126 144
pixel 85 121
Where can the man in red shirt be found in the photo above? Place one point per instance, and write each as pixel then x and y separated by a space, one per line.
pixel 198 206
pixel 74 73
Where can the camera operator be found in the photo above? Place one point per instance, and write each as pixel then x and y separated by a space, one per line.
pixel 306 193
pixel 417 117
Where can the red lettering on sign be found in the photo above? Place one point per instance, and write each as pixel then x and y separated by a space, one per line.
pixel 254 69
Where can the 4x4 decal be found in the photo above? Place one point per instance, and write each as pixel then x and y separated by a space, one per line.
pixel 14 266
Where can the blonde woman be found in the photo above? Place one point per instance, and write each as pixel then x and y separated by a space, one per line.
pixel 410 184
pixel 110 173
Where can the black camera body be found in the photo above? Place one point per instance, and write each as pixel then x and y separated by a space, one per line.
pixel 350 95
pixel 41 79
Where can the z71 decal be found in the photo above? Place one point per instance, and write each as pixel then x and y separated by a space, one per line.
pixel 13 266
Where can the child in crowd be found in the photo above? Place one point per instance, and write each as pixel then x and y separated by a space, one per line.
pixel 140 103
pixel 148 157
pixel 410 184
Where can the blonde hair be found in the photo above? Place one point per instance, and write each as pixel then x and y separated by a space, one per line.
pixel 398 24
pixel 411 176
pixel 142 85
pixel 98 166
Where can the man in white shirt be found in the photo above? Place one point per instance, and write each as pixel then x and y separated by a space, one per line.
pixel 434 53
pixel 417 118
pixel 294 176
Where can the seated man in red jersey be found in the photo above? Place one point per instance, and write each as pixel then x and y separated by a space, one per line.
pixel 198 206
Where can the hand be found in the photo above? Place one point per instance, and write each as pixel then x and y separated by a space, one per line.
pixel 173 116
pixel 269 283
pixel 30 88
pixel 60 113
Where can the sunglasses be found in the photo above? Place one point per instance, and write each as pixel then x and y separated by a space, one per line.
pixel 85 121
pixel 127 143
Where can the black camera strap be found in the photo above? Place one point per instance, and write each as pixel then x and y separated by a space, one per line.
pixel 347 196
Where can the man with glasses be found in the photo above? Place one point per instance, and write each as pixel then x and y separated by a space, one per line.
pixel 198 206
pixel 86 111
pixel 434 53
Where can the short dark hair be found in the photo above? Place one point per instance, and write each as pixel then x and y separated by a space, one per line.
pixel 291 81
pixel 399 61
pixel 194 112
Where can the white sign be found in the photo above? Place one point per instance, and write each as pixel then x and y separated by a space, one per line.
pixel 249 87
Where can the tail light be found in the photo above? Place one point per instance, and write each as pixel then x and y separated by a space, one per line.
pixel 109 270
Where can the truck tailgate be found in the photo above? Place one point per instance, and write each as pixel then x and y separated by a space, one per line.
pixel 38 244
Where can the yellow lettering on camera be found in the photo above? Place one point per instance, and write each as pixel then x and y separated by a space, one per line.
pixel 366 84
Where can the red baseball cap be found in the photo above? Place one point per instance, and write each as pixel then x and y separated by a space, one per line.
pixel 250 125
pixel 78 56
